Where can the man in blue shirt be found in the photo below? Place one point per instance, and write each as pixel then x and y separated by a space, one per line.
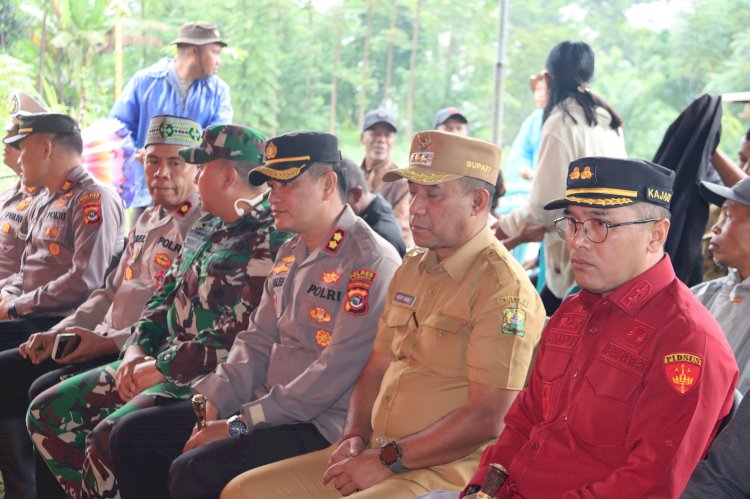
pixel 187 86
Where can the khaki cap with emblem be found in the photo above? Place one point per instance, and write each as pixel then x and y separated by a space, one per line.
pixel 199 33
pixel 436 157
pixel 21 104
pixel 288 155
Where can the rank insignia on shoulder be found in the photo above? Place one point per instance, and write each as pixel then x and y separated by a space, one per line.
pixel 331 277
pixel 320 315
pixel 128 273
pixel 184 209
pixel 322 338
pixel 67 185
pixel 92 207
pixel 162 260
pixel 514 321
pixel 337 238
pixel 288 259
pixel 683 371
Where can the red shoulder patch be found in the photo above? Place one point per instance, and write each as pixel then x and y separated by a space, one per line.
pixel 683 371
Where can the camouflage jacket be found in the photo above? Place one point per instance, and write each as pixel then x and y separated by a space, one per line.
pixel 208 294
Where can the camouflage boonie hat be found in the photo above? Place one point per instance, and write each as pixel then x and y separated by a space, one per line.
pixel 233 142
pixel 173 131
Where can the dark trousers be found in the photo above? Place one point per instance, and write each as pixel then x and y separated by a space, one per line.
pixel 22 381
pixel 550 301
pixel 13 333
pixel 146 442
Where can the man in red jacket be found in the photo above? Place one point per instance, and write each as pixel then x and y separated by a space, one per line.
pixel 633 376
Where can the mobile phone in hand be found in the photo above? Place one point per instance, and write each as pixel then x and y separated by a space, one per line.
pixel 64 345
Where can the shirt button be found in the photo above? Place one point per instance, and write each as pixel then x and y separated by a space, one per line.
pixel 514 486
pixel 533 445
pixel 575 373
pixel 565 418
pixel 380 441
pixel 593 330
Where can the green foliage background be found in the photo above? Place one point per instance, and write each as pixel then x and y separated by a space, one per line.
pixel 280 59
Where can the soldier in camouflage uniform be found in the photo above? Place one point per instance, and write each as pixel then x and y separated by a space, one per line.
pixel 17 203
pixel 103 321
pixel 186 329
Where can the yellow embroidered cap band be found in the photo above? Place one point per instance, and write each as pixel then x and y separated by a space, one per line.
pixel 436 157
pixel 286 156
pixel 613 182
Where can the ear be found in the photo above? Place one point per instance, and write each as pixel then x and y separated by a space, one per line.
pixel 329 180
pixel 46 145
pixel 230 177
pixel 659 234
pixel 362 138
pixel 479 200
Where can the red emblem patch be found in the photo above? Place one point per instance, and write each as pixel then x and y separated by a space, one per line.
pixel 159 280
pixel 683 371
pixel 92 207
pixel 337 238
pixel 162 260
pixel 357 291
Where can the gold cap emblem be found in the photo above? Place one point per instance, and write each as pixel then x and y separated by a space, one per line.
pixel 271 150
pixel 13 104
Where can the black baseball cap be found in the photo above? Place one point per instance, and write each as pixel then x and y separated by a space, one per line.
pixel 379 116
pixel 43 123
pixel 446 113
pixel 286 156
pixel 614 182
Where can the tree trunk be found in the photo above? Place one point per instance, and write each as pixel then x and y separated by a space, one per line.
pixel 334 84
pixel 389 60
pixel 42 50
pixel 362 96
pixel 412 70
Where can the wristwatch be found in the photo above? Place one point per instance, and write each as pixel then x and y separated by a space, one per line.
pixel 236 426
pixel 390 455
pixel 13 313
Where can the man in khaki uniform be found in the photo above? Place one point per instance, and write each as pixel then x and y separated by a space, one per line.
pixel 104 320
pixel 378 136
pixel 17 203
pixel 76 232
pixel 453 346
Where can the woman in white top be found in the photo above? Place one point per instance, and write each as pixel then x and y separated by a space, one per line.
pixel 577 123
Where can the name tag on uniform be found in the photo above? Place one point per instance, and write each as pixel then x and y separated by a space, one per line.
pixel 404 299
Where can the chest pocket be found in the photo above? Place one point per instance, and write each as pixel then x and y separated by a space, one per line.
pixel 443 343
pixel 602 414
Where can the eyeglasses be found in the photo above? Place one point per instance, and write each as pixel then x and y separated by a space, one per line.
pixel 595 229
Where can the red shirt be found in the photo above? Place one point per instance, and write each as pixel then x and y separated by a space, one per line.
pixel 625 396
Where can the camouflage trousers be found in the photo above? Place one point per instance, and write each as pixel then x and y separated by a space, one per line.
pixel 70 425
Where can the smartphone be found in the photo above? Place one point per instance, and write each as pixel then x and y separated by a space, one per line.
pixel 64 345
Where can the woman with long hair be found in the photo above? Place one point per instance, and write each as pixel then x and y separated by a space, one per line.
pixel 577 124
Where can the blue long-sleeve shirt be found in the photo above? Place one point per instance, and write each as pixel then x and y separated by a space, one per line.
pixel 156 90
